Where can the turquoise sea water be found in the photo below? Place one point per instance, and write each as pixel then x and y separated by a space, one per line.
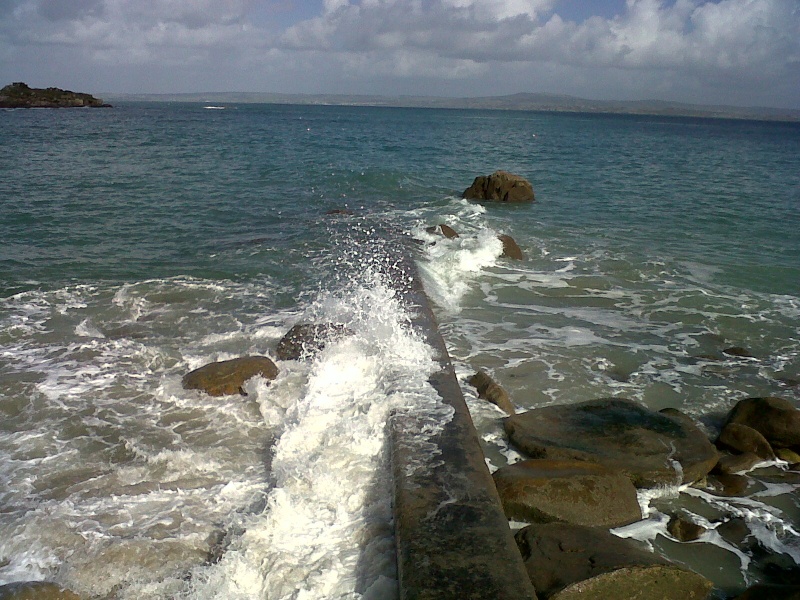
pixel 145 240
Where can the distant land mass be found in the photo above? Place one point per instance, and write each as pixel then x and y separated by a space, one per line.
pixel 523 101
pixel 19 95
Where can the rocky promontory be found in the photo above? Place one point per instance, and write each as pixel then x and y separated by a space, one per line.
pixel 19 95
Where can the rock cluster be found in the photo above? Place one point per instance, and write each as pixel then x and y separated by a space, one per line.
pixel 19 95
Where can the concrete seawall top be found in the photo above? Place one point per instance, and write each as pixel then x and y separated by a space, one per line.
pixel 453 539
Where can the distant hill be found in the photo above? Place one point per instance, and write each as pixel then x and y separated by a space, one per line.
pixel 19 95
pixel 522 101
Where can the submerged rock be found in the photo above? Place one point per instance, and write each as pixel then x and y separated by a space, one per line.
pixel 36 590
pixel 571 491
pixel 491 391
pixel 306 339
pixel 510 248
pixel 228 376
pixel 500 186
pixel 777 419
pixel 567 562
pixel 444 230
pixel 648 447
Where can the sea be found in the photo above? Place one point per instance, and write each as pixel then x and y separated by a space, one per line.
pixel 140 242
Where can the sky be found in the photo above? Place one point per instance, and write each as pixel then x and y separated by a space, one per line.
pixel 732 52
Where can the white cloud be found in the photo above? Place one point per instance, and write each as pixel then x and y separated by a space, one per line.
pixel 698 46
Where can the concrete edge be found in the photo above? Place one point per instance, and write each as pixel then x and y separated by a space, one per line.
pixel 453 539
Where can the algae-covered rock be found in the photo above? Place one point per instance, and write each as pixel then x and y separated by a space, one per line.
pixel 649 447
pixel 568 562
pixel 500 186
pixel 577 492
pixel 228 376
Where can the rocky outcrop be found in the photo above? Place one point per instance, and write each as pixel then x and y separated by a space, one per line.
pixel 777 419
pixel 36 590
pixel 500 186
pixel 491 391
pixel 510 247
pixel 650 448
pixel 228 376
pixel 308 338
pixel 570 491
pixel 567 562
pixel 19 95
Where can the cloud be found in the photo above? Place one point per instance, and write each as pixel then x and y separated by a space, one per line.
pixel 697 46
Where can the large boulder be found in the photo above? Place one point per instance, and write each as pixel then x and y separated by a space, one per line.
pixel 650 448
pixel 777 419
pixel 570 562
pixel 489 390
pixel 577 492
pixel 35 590
pixel 741 438
pixel 500 186
pixel 307 338
pixel 510 247
pixel 228 376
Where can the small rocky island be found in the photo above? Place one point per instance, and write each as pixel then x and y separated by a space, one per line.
pixel 19 95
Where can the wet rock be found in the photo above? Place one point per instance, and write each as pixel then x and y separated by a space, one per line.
pixel 567 562
pixel 577 492
pixel 491 391
pixel 500 186
pixel 228 376
pixel 729 486
pixel 738 351
pixel 683 530
pixel 648 447
pixel 444 230
pixel 306 339
pixel 731 464
pixel 765 591
pixel 510 248
pixel 735 531
pixel 741 438
pixel 788 455
pixel 777 419
pixel 36 590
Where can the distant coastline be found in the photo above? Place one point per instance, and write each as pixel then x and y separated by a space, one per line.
pixel 532 102
pixel 20 95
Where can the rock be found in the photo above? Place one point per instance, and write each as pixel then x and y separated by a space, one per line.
pixel 741 438
pixel 36 590
pixel 571 491
pixel 443 229
pixel 19 95
pixel 729 486
pixel 788 455
pixel 622 435
pixel 787 381
pixel 683 530
pixel 500 186
pixel 738 351
pixel 735 531
pixel 567 562
pixel 340 211
pixel 491 391
pixel 228 376
pixel 510 248
pixel 777 419
pixel 303 340
pixel 732 464
pixel 766 591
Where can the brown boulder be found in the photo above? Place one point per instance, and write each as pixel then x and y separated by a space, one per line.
pixel 491 391
pixel 732 464
pixel 567 562
pixel 777 419
pixel 306 339
pixel 444 230
pixel 649 447
pixel 571 491
pixel 36 590
pixel 741 438
pixel 228 376
pixel 510 248
pixel 500 186
pixel 683 530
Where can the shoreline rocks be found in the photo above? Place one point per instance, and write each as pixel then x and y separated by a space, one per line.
pixel 500 186
pixel 19 95
pixel 305 339
pixel 489 390
pixel 228 376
